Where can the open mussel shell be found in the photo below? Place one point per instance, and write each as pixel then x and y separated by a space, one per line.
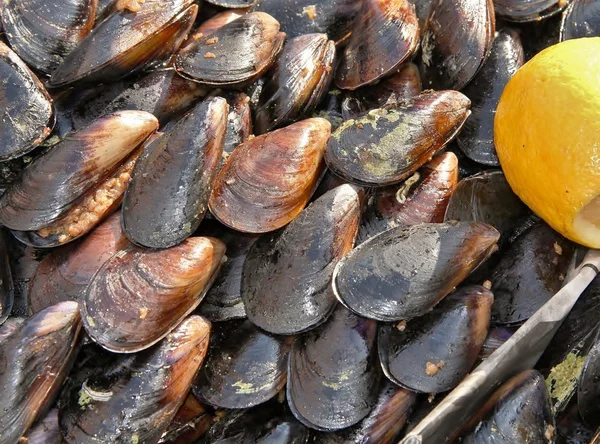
pixel 139 296
pixel 163 93
pixel 245 366
pixel 268 180
pixel 25 104
pixel 529 273
pixel 65 273
pixel 333 376
pixel 7 294
pixel 389 144
pixel 116 47
pixel 235 54
pixel 403 272
pixel 387 36
pixel 383 424
pixel 422 198
pixel 36 359
pixel 476 139
pixel 297 81
pixel 52 184
pixel 486 197
pixel 581 19
pixel 389 91
pixel 239 122
pixel 298 17
pixel 43 33
pixel 172 180
pixel 588 393
pixel 433 353
pixel 527 10
pixel 285 282
pixel 456 40
pixel 519 411
pixel 134 398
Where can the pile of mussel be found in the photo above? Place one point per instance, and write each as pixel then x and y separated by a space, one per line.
pixel 273 221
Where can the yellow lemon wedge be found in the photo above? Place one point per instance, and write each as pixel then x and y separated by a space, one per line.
pixel 547 135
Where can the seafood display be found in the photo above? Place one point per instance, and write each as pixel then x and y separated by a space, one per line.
pixel 274 221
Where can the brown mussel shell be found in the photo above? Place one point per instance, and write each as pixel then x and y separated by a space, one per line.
pixel 456 40
pixel 529 273
pixel 580 19
pixel 297 81
pixel 476 139
pixel 588 392
pixel 53 183
pixel 235 54
pixel 245 366
pixel 405 271
pixel 65 273
pixel 35 360
pixel 433 353
pixel 422 198
pixel 298 17
pixel 333 376
pixel 387 35
pixel 43 32
pixel 127 42
pixel 171 182
pixel 528 10
pixel 268 180
pixel 286 277
pixel 518 412
pixel 139 296
pixel 26 107
pixel 389 144
pixel 7 293
pixel 134 398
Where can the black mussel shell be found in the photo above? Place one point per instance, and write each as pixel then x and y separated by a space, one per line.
pixel 456 40
pixel 43 32
pixel 571 429
pixel 223 301
pixel 486 197
pixel 333 376
pixel 403 272
pixel 116 47
pixel 239 122
pixel 476 139
pixel 495 338
pixel 7 294
pixel 172 180
pixel 388 145
pixel 139 296
pixel 235 54
pixel 65 273
pixel 393 407
pixel 298 17
pixel 162 93
pixel 135 397
pixel 422 198
pixel 527 10
pixel 35 360
pixel 104 9
pixel 209 26
pixel 53 183
pixel 433 353
pixel 26 107
pixel 268 180
pixel 45 431
pixel 389 91
pixel 387 34
pixel 286 277
pixel 518 412
pixel 297 81
pixel 245 366
pixel 588 393
pixel 232 3
pixel 581 19
pixel 529 273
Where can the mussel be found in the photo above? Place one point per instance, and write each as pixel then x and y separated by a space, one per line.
pixel 389 144
pixel 269 179
pixel 7 294
pixel 139 296
pixel 403 272
pixel 286 277
pixel 36 359
pixel 527 10
pixel 588 393
pixel 46 431
pixel 239 122
pixel 580 19
pixel 232 3
pixel 209 26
